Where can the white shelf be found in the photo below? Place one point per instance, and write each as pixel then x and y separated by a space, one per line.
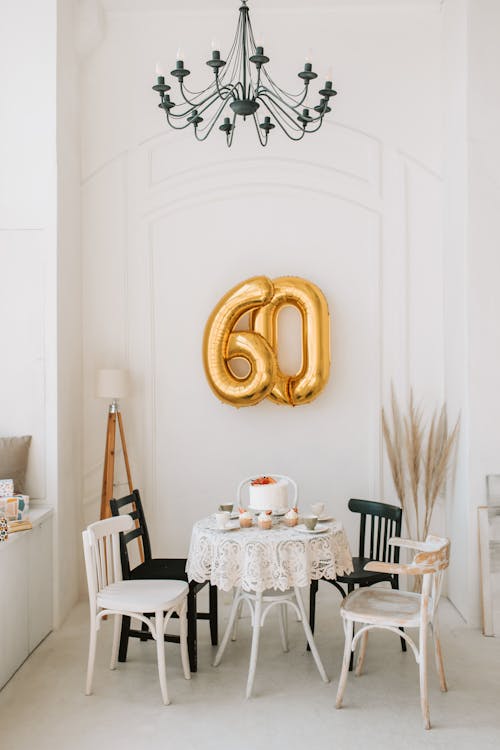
pixel 26 585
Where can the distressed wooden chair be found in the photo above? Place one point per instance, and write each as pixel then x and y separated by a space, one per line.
pixel 160 569
pixel 392 609
pixel 111 596
pixel 378 522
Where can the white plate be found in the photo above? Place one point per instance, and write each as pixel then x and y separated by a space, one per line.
pixel 324 519
pixel 280 512
pixel 231 526
pixel 319 529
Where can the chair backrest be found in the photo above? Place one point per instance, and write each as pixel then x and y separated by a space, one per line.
pixel 378 523
pixel 291 482
pixel 139 528
pixel 101 546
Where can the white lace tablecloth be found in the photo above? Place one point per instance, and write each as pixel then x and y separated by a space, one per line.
pixel 256 560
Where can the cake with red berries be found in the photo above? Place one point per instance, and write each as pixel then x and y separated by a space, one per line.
pixel 267 493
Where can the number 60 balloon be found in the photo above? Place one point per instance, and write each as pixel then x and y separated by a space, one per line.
pixel 264 299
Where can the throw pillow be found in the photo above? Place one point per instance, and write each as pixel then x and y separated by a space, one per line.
pixel 14 459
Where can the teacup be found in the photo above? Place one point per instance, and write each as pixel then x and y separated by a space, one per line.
pixel 318 509
pixel 222 518
pixel 310 522
pixel 226 507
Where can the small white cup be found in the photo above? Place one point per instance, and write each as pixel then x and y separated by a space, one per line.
pixel 318 509
pixel 310 522
pixel 222 518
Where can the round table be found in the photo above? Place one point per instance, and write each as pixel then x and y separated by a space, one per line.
pixel 256 560
pixel 267 568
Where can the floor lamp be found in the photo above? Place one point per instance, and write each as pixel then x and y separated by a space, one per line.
pixel 112 385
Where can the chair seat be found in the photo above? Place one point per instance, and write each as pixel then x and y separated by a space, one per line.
pixel 361 576
pixel 142 596
pixel 383 607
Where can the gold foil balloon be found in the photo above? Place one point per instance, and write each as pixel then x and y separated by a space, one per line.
pixel 264 299
pixel 309 300
pixel 221 344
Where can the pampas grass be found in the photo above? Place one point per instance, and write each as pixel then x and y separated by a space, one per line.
pixel 420 458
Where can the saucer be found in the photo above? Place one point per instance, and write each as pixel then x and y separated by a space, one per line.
pixel 279 512
pixel 231 526
pixel 324 519
pixel 319 528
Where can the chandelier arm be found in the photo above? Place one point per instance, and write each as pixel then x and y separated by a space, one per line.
pixel 274 94
pixel 220 77
pixel 315 130
pixel 229 86
pixel 264 69
pixel 210 124
pixel 230 136
pixel 257 128
pixel 177 127
pixel 293 97
pixel 196 105
pixel 277 117
pixel 265 96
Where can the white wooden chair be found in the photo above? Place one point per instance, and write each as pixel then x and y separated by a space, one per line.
pixel 110 595
pixel 391 609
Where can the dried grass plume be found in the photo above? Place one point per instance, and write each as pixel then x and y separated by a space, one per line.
pixel 420 458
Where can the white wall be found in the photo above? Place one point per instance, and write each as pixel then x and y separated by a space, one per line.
pixel 69 289
pixel 483 257
pixel 39 250
pixel 356 209
pixel 28 231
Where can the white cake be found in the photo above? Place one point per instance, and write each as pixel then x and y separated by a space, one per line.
pixel 269 496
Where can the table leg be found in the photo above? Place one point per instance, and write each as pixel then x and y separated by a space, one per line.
pixel 257 617
pixel 229 628
pixel 309 636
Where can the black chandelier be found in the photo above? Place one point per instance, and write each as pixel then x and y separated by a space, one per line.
pixel 243 84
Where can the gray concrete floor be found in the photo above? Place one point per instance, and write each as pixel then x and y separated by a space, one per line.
pixel 44 707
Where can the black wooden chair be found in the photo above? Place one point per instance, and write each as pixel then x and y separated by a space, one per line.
pixel 378 523
pixel 164 569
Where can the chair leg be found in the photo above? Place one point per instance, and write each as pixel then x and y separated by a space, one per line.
pixel 235 608
pixel 283 615
pixel 122 653
pixel 350 589
pixel 257 614
pixel 160 655
pixel 237 619
pixel 395 585
pixel 362 654
pixel 116 641
pixel 192 634
pixel 422 666
pixel 349 631
pixel 183 638
pixel 439 655
pixel 309 636
pixel 145 630
pixel 213 609
pixel 313 590
pixel 91 659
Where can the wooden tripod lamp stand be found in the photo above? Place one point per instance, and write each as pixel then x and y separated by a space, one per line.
pixel 112 385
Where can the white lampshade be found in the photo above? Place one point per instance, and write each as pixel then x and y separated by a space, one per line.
pixel 112 384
